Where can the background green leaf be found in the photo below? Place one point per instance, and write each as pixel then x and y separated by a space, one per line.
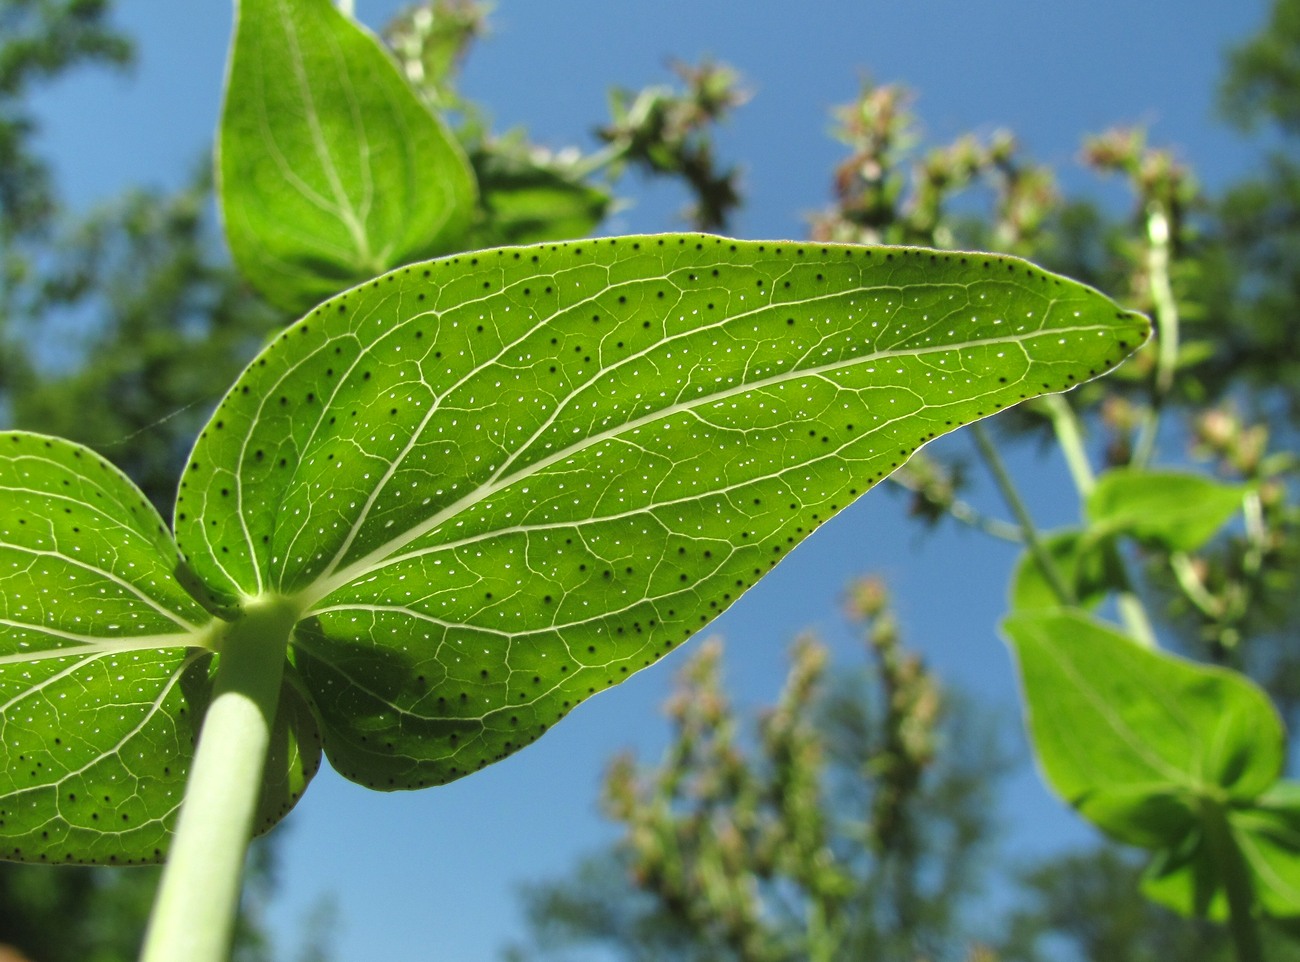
pixel 1177 510
pixel 1089 567
pixel 330 168
pixel 526 200
pixel 1267 832
pixel 1131 737
pixel 499 483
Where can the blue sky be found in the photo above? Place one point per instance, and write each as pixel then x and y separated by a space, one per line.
pixel 434 874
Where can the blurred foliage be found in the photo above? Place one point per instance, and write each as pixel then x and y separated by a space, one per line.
pixel 1083 900
pixel 849 822
pixel 78 913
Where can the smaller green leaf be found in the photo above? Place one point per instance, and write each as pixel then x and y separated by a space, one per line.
pixel 103 676
pixel 1177 510
pixel 1088 567
pixel 106 667
pixel 1132 737
pixel 1185 878
pixel 330 168
pixel 1269 835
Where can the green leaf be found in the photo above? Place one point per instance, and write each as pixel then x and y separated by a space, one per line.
pixel 1132 737
pixel 104 665
pixel 526 200
pixel 1089 567
pixel 1267 834
pixel 498 483
pixel 1177 510
pixel 330 168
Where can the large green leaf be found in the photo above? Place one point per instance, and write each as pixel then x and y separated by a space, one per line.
pixel 1134 738
pixel 1178 510
pixel 498 483
pixel 104 665
pixel 330 168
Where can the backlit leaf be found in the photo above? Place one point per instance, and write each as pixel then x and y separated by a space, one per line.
pixel 498 483
pixel 1089 568
pixel 525 200
pixel 330 168
pixel 1178 510
pixel 1133 737
pixel 104 666
pixel 1266 832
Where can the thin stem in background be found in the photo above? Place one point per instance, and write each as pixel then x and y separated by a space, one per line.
pixel 966 513
pixel 1069 435
pixel 1166 311
pixel 1235 875
pixel 1060 587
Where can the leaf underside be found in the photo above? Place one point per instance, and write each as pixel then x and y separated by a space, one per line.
pixel 104 670
pixel 99 696
pixel 499 483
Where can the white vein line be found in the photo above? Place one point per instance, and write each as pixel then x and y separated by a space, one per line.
pixel 157 606
pixel 147 716
pixel 832 454
pixel 321 420
pixel 341 206
pixel 81 662
pixel 723 322
pixel 338 577
pixel 105 518
pixel 90 643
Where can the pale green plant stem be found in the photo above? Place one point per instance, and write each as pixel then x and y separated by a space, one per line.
pixel 1236 878
pixel 1166 317
pixel 194 913
pixel 1134 615
pixel 1060 587
pixel 1192 587
pixel 1069 436
pixel 1252 510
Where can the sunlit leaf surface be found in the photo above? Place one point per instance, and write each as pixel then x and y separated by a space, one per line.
pixel 100 696
pixel 499 483
pixel 1266 832
pixel 1178 510
pixel 330 168
pixel 104 667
